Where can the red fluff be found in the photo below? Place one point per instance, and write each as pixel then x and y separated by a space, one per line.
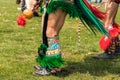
pixel 21 21
pixel 115 25
pixel 114 32
pixel 105 43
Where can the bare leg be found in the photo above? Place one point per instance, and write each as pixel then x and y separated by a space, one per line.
pixel 112 9
pixel 55 23
pixel 110 52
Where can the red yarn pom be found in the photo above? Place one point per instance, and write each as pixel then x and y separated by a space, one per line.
pixel 104 43
pixel 21 21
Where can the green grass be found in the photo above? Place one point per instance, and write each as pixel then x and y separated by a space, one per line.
pixel 18 49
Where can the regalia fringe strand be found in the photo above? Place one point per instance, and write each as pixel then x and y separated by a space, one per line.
pixel 87 17
pixel 65 6
pixel 48 61
pixel 99 14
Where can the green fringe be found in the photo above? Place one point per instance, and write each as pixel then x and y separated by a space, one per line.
pixel 49 61
pixel 89 18
pixel 69 8
pixel 42 50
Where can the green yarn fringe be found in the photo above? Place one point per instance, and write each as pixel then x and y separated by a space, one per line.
pixel 69 8
pixel 48 61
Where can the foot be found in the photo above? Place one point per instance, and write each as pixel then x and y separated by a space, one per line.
pixel 104 56
pixel 117 52
pixel 42 72
pixel 37 68
pixel 55 70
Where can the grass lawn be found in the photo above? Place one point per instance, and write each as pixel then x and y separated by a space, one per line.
pixel 18 49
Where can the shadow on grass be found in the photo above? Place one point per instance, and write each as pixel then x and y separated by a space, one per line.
pixel 6 31
pixel 92 66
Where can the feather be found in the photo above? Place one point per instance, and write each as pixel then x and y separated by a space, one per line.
pixel 90 19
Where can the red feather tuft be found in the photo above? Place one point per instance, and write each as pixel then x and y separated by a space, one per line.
pixel 21 21
pixel 105 43
pixel 114 32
